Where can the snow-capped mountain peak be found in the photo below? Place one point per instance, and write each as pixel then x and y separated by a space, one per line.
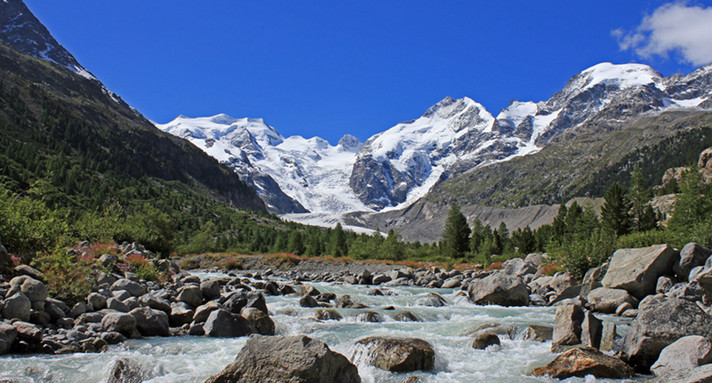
pixel 622 76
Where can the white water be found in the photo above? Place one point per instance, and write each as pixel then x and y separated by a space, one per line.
pixel 193 359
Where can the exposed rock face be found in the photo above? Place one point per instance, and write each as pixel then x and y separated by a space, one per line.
pixel 499 289
pixel 398 354
pixel 295 359
pixel 684 354
pixel 581 362
pixel 660 322
pixel 637 270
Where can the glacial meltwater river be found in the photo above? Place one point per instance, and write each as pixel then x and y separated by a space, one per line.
pixel 195 358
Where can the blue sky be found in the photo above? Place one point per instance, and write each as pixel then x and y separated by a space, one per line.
pixel 328 68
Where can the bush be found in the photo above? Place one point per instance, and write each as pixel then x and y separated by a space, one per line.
pixel 582 253
pixel 142 267
pixel 68 275
pixel 649 238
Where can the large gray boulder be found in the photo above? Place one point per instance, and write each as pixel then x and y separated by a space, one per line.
pixel 33 289
pixel 17 306
pixel 241 298
pixel 181 313
pixel 701 374
pixel 133 288
pixel 637 270
pixel 660 322
pixel 262 322
pixel 191 295
pixel 210 289
pixel 294 359
pixel 151 322
pixel 567 326
pixel 499 289
pixel 8 334
pixel 397 354
pixel 583 361
pixel 126 370
pixel 605 300
pixel 691 256
pixel 518 267
pixel 119 322
pixel 224 324
pixel 684 354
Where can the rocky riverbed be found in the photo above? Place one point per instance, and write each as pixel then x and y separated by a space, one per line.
pixel 643 314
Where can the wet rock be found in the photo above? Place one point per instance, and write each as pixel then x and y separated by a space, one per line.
pixel 606 300
pixel 538 333
pixel 126 370
pixel 370 316
pixel 345 301
pixel 432 300
pixel 308 301
pixel 287 359
pixel 262 322
pixel 580 362
pixel 567 326
pixel 224 324
pixel 119 322
pixel 133 288
pixel 8 335
pixel 398 354
pixel 499 289
pixel 203 311
pixel 239 299
pixel 310 290
pixel 659 323
pixel 113 337
pixel 684 354
pixel 17 306
pixel 483 340
pixel 406 316
pixel 328 314
pixel 150 322
pixel 637 270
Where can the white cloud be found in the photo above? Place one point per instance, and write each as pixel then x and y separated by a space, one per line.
pixel 673 27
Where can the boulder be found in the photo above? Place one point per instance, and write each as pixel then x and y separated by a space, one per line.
pixel 310 290
pixel 241 298
pixel 397 354
pixel 297 359
pixel 637 270
pixel 155 303
pixel 567 326
pixel 191 295
pixel 608 336
pixel 406 316
pixel 482 340
pixel 691 256
pixel 181 314
pixel 151 322
pixel 8 335
pixel 580 362
pixel 224 324
pixel 119 322
pixel 518 267
pixel 126 371
pixel 432 300
pixel 210 289
pixel 684 354
pixel 701 374
pixel 538 333
pixel 97 301
pixel 35 290
pixel 308 301
pixel 117 305
pixel 370 317
pixel 28 332
pixel 17 306
pixel 133 288
pixel 345 301
pixel 660 322
pixel 328 314
pixel 203 311
pixel 606 300
pixel 591 331
pixel 262 322
pixel 499 289
pixel 592 281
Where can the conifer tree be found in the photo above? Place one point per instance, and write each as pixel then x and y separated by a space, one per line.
pixel 640 195
pixel 615 212
pixel 337 243
pixel 455 239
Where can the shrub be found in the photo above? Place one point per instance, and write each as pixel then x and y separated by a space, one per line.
pixel 68 276
pixel 142 267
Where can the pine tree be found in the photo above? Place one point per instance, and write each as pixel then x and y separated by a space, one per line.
pixel 455 239
pixel 337 242
pixel 640 195
pixel 615 212
pixel 392 248
pixel 692 205
pixel 296 242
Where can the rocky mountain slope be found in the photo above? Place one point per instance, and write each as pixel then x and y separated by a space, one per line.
pixel 456 150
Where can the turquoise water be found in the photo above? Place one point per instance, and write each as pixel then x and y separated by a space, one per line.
pixel 193 359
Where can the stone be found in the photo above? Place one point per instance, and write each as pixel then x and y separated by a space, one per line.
pixel 150 322
pixel 308 301
pixel 239 299
pixel 637 270
pixel 397 354
pixel 432 300
pixel 483 340
pixel 345 301
pixel 17 306
pixel 591 281
pixel 328 314
pixel 452 283
pixel 191 295
pixel 203 311
pixel 119 322
pixel 567 326
pixel 115 304
pixel 97 301
pixel 606 300
pixel 406 316
pixel 112 337
pixel 608 336
pixel 261 321
pixel 684 354
pixel 224 324
pixel 701 374
pixel 181 314
pixel 370 317
pixel 591 331
pixel 287 359
pixel 660 322
pixel 108 260
pixel 133 288
pixel 210 289
pixel 8 335
pixel 580 362
pixel 538 333
pixel 664 285
pixel 310 290
pixel 33 289
pixel 126 370
pixel 28 332
pixel 499 289
pixel 625 306
pixel 155 303
pixel 518 267
pixel 692 255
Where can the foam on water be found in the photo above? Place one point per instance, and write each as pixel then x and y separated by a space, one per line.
pixel 194 359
